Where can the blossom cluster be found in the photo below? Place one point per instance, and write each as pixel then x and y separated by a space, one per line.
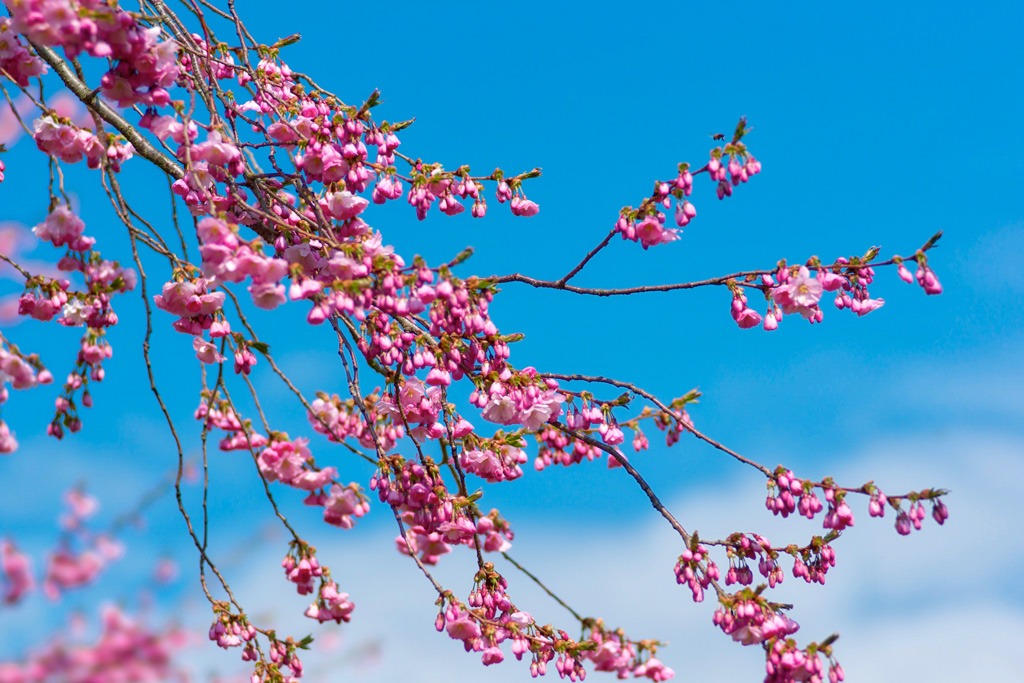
pixel 793 289
pixel 232 630
pixel 788 493
pixel 489 618
pixel 143 66
pixel 21 372
pixel 288 461
pixel 562 445
pixel 338 420
pixel 435 519
pixel 62 139
pixel 15 58
pixel 695 569
pixel 646 224
pixel 125 651
pixel 46 298
pixel 302 568
pixel 16 570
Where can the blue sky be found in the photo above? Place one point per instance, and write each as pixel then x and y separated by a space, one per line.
pixel 877 124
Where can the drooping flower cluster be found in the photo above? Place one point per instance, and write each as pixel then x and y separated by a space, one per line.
pixel 15 58
pixel 435 520
pixel 301 567
pixel 287 461
pixel 339 420
pixel 696 570
pixel 749 619
pixel 520 398
pixel 646 224
pixel 143 66
pixel 69 143
pixel 45 298
pixel 489 618
pixel 785 487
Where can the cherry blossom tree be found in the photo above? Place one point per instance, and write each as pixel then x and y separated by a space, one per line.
pixel 273 184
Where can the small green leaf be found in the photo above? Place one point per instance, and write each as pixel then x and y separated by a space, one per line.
pixel 290 40
pixel 262 347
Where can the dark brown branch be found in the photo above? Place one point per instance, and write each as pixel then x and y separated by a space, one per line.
pixel 720 280
pixel 656 401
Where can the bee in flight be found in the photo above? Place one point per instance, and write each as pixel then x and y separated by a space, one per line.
pixel 718 136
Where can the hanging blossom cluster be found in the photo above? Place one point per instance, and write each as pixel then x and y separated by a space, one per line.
pixel 90 308
pixel 793 289
pixel 302 568
pixel 47 299
pixel 63 140
pixel 15 59
pixel 750 619
pixel 143 66
pixel 287 461
pixel 435 519
pixel 20 371
pixel 490 618
pixel 727 168
pixel 233 630
pixel 596 418
pixel 788 493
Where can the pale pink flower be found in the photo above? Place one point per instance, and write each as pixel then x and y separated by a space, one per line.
pixel 463 627
pixel 866 306
pixel 206 351
pixel 342 504
pixel 345 205
pixel 500 409
pixel 268 296
pixel 799 295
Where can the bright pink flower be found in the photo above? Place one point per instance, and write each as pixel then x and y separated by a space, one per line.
pixel 651 232
pixel 830 281
pixel 654 669
pixel 345 205
pixel 748 318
